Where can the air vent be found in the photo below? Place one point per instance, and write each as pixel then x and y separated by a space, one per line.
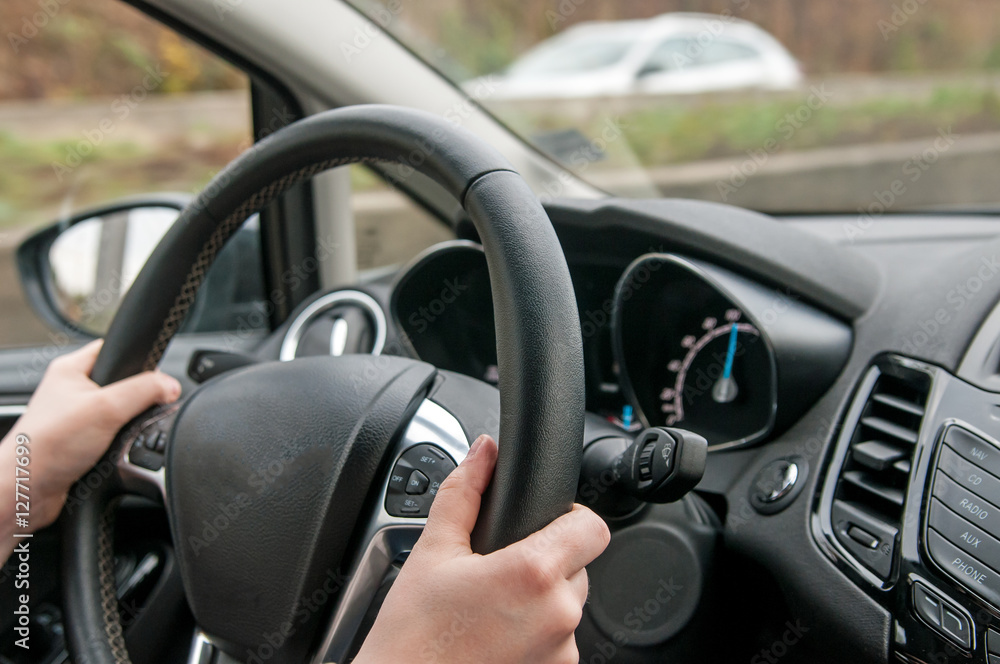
pixel 338 323
pixel 870 494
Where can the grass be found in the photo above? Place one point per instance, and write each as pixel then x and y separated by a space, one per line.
pixel 712 128
pixel 35 188
pixel 33 193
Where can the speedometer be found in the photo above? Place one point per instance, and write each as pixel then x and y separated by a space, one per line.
pixel 701 348
pixel 717 379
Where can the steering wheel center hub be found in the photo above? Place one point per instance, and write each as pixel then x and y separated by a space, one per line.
pixel 267 476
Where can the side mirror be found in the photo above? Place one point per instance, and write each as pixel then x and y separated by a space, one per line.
pixel 76 272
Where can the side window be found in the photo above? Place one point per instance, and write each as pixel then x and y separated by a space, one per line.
pixel 669 55
pixel 720 52
pixel 99 102
pixel 390 228
pixel 686 53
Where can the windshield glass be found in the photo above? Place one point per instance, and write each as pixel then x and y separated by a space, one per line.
pixel 804 106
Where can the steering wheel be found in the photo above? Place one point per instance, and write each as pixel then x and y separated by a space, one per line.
pixel 324 431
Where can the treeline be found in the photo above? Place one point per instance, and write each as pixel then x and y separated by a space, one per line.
pixel 60 48
pixel 825 35
pixel 81 48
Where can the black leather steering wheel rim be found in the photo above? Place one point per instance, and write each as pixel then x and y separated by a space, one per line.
pixel 539 344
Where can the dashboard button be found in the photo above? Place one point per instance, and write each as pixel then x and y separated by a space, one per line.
pixel 943 616
pixel 926 605
pixel 863 537
pixel 964 535
pixel 992 641
pixel 972 573
pixel 969 475
pixel 967 504
pixel 973 448
pixel 957 626
pixel 877 558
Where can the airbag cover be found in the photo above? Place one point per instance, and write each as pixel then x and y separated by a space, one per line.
pixel 267 472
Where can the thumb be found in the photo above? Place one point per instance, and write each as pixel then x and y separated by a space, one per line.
pixel 135 394
pixel 456 506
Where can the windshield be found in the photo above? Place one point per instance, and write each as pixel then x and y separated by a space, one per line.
pixel 805 106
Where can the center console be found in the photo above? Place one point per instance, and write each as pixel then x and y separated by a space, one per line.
pixel 910 508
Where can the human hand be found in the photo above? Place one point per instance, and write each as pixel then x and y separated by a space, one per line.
pixel 70 421
pixel 519 604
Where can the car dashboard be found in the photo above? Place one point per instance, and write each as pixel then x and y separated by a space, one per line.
pixel 861 362
pixel 845 372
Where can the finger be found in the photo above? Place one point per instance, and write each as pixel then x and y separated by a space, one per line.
pixel 572 541
pixel 81 360
pixel 456 507
pixel 568 652
pixel 133 395
pixel 580 584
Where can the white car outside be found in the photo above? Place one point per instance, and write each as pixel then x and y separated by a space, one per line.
pixel 677 53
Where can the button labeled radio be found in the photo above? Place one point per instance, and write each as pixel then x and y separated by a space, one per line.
pixel 967 504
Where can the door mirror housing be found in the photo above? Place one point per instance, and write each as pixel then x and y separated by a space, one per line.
pixel 75 272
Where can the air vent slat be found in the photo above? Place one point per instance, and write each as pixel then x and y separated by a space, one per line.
pixel 899 404
pixel 870 484
pixel 877 455
pixel 902 466
pixel 890 429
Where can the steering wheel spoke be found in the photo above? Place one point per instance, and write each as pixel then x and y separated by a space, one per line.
pixel 388 537
pixel 140 452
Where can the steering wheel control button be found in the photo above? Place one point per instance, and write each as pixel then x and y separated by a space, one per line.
pixel 415 480
pixel 848 519
pixel 778 484
pixel 148 448
pixel 411 506
pixel 417 484
pixel 942 615
pixel 399 477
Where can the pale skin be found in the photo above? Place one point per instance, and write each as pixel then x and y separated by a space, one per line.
pixel 70 422
pixel 519 604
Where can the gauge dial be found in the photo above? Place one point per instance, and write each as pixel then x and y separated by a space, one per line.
pixel 690 356
pixel 711 382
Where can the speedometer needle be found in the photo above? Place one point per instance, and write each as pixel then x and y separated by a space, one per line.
pixel 725 389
